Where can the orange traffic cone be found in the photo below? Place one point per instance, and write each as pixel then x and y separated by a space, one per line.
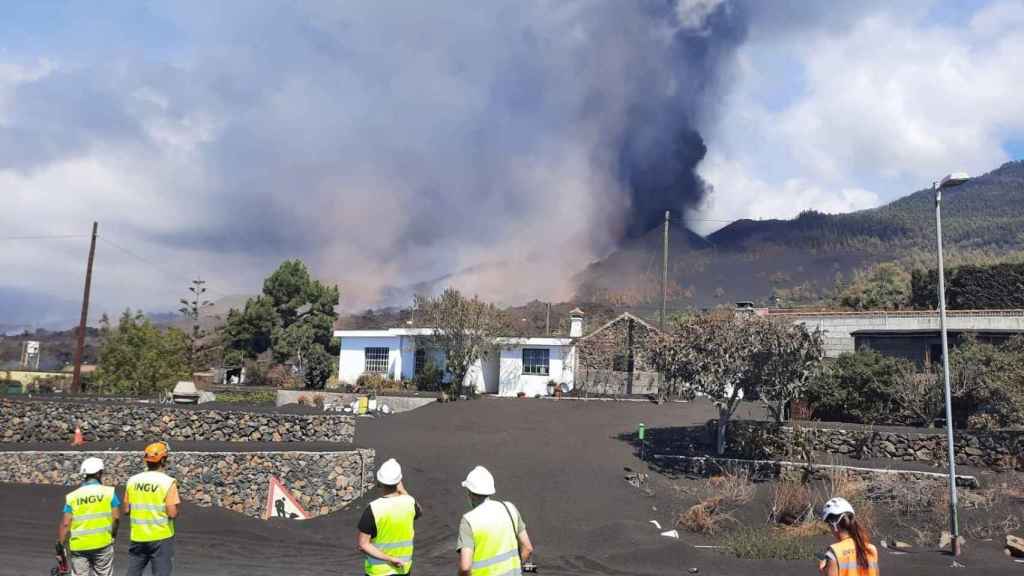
pixel 77 440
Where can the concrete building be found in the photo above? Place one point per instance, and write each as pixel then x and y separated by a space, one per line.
pixel 523 365
pixel 910 334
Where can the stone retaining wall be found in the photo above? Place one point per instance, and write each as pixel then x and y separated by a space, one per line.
pixel 997 450
pixel 772 469
pixel 40 421
pixel 322 482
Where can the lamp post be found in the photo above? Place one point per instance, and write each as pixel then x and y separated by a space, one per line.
pixel 954 525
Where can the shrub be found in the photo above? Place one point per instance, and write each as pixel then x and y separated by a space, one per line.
pixel 857 388
pixel 767 543
pixel 255 397
pixel 705 517
pixel 734 488
pixel 369 382
pixel 376 383
pixel 311 400
pixel 429 379
pixel 792 503
pixel 280 376
pixel 987 382
pixel 255 373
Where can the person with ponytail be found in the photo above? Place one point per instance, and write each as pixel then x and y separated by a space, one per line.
pixel 852 554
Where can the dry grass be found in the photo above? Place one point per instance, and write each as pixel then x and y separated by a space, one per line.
pixel 792 503
pixel 734 488
pixel 841 482
pixel 705 517
pixel 903 497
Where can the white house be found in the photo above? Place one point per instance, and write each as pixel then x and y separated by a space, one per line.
pixel 519 365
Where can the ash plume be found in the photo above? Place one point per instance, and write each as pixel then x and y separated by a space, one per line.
pixel 499 147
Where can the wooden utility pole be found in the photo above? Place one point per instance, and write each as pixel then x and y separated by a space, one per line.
pixel 76 379
pixel 547 321
pixel 664 271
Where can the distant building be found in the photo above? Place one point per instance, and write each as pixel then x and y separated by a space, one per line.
pixel 914 335
pixel 523 365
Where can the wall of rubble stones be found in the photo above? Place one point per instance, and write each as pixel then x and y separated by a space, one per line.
pixel 41 421
pixel 798 471
pixel 322 482
pixel 996 450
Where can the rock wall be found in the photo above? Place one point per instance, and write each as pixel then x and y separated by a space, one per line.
pixel 772 469
pixel 997 450
pixel 322 482
pixel 594 382
pixel 40 421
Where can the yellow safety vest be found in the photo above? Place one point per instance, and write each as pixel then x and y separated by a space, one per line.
pixel 92 520
pixel 846 558
pixel 394 519
pixel 495 540
pixel 147 493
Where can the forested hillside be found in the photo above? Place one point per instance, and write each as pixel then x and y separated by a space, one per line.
pixel 799 261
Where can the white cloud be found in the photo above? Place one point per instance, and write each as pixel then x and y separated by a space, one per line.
pixel 739 194
pixel 887 104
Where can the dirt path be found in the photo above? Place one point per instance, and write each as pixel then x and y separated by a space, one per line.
pixel 562 463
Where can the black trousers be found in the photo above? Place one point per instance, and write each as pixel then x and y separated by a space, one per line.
pixel 158 555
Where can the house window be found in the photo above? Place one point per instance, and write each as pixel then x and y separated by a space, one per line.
pixel 376 360
pixel 421 360
pixel 535 361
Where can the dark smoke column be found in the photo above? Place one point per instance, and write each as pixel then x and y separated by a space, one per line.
pixel 661 145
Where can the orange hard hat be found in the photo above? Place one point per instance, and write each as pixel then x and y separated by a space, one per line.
pixel 156 451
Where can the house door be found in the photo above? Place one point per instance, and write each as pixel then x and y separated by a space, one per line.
pixel 491 373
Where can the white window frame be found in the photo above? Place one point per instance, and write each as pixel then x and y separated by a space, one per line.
pixel 534 367
pixel 373 363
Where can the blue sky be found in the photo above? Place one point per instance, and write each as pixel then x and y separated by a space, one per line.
pixel 390 143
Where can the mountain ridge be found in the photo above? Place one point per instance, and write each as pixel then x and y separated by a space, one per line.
pixel 799 260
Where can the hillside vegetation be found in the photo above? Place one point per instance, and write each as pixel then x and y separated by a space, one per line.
pixel 800 261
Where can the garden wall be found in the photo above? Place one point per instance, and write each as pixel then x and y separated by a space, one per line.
pixel 55 421
pixel 596 382
pixel 322 482
pixel 997 450
pixel 776 469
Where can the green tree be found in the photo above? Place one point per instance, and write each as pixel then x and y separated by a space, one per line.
pixel 710 354
pixel 192 309
pixel 987 383
pixel 858 387
pixel 886 286
pixel 138 358
pixel 465 329
pixel 786 360
pixel 293 319
pixel 247 332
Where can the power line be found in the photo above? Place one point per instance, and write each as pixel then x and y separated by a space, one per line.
pixel 44 237
pixel 155 265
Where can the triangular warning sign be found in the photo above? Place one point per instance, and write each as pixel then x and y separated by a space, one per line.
pixel 281 503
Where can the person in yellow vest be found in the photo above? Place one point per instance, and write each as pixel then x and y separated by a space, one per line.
pixel 852 554
pixel 151 498
pixel 492 536
pixel 89 524
pixel 386 528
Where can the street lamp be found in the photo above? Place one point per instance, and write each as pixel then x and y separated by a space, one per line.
pixel 949 181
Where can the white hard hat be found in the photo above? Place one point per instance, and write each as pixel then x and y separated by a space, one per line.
pixel 390 473
pixel 836 507
pixel 479 481
pixel 91 465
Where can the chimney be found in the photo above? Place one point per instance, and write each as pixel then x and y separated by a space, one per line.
pixel 575 323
